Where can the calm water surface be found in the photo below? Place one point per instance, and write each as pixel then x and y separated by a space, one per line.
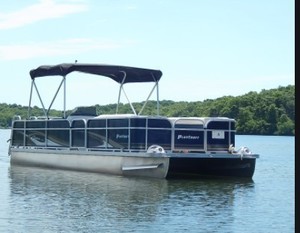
pixel 44 200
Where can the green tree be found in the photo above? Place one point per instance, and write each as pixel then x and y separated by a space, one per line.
pixel 285 126
pixel 245 116
pixel 272 118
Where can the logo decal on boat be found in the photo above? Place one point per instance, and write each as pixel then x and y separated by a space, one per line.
pixel 184 137
pixel 122 136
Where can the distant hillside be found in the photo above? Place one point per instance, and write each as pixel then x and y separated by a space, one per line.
pixel 269 112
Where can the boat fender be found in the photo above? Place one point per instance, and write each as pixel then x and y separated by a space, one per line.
pixel 231 149
pixel 244 151
pixel 156 149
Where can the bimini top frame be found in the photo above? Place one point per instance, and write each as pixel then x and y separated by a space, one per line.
pixel 120 74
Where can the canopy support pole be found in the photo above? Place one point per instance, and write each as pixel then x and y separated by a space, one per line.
pixel 155 86
pixel 62 81
pixel 30 98
pixel 37 91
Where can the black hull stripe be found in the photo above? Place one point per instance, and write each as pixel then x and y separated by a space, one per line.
pixel 211 167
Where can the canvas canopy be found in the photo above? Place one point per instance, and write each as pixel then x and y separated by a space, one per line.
pixel 117 73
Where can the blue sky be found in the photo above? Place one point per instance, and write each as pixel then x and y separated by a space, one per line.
pixel 205 48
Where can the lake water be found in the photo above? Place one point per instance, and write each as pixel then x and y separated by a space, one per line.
pixel 43 200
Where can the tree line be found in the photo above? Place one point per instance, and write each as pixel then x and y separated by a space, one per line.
pixel 269 112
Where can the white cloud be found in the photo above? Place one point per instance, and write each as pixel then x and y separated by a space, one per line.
pixel 54 48
pixel 44 9
pixel 132 7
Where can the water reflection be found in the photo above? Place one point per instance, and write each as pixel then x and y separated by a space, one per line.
pixel 57 200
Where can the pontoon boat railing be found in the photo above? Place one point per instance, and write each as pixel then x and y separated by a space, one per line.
pixel 49 136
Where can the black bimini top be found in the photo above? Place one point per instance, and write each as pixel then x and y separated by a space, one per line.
pixel 114 72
